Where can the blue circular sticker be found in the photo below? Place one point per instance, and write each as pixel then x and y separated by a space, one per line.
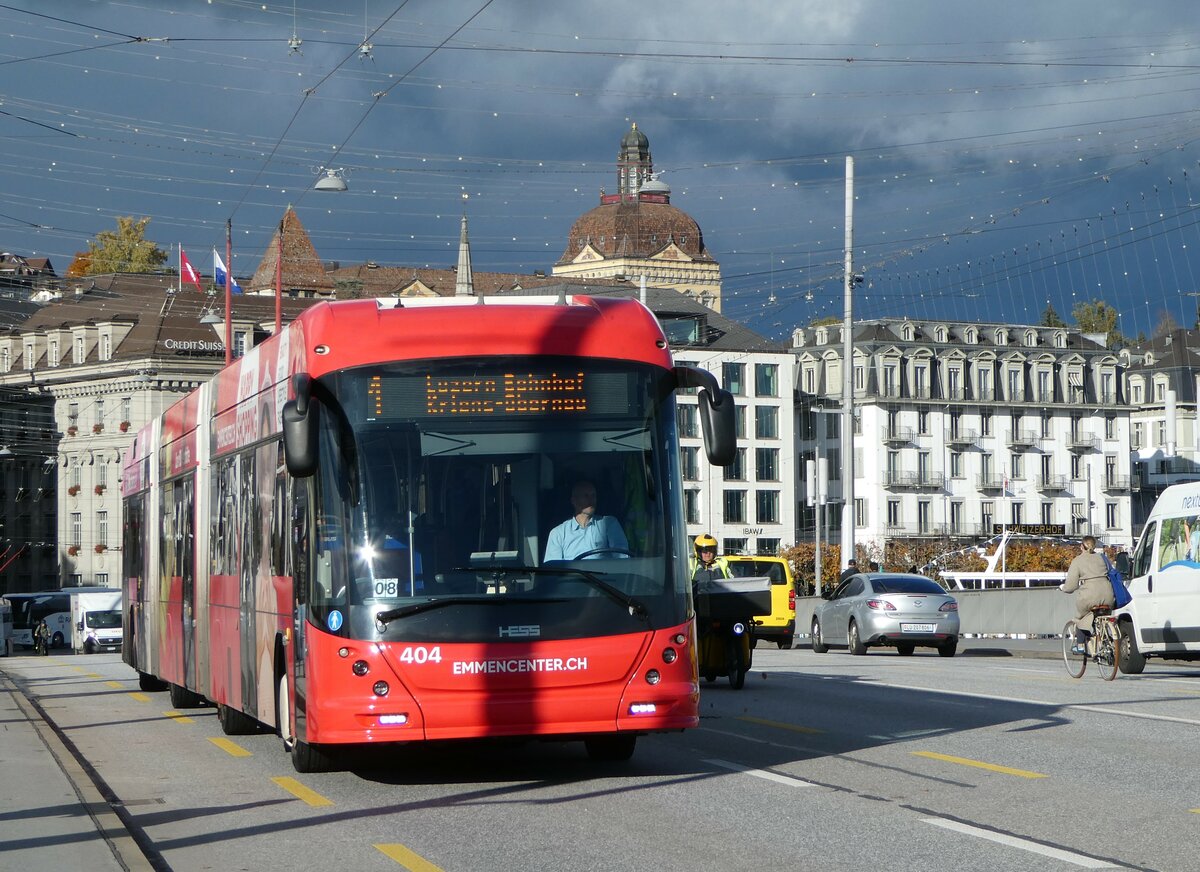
pixel 335 620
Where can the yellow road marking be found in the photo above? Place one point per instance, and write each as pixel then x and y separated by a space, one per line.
pixel 298 790
pixel 1194 810
pixel 178 718
pixel 92 674
pixel 77 668
pixel 408 859
pixel 230 748
pixel 140 697
pixel 115 684
pixel 778 725
pixel 992 767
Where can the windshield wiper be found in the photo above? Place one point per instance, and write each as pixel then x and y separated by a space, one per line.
pixel 635 606
pixel 390 615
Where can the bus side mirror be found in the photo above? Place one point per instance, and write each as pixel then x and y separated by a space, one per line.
pixel 300 429
pixel 717 419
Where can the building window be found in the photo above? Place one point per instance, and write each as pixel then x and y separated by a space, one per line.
pixel 985 424
pixel 768 546
pixel 79 349
pixel 75 473
pixel 1014 385
pixel 956 517
pixel 1074 386
pixel 99 408
pixel 985 384
pixel 1047 422
pixel 889 382
pixel 766 379
pixel 1107 393
pixel 73 414
pixel 733 546
pixel 766 422
pixel 920 381
pixel 860 512
pixel 734 377
pixel 923 422
pixel 76 532
pixel 735 507
pixel 685 416
pixel 1136 438
pixel 923 523
pixel 736 471
pixel 1018 513
pixel 102 579
pixel 1047 513
pixel 860 380
pixel 766 462
pixel 956 464
pixel 1110 515
pixel 52 353
pixel 767 509
pixel 102 474
pixel 106 347
pixel 954 383
pixel 1077 467
pixel 126 408
pixel 1017 465
pixel 102 528
pixel 987 513
pixel 893 513
pixel 691 506
pixel 1110 427
pixel 689 460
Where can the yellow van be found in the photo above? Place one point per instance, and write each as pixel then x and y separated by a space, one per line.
pixel 779 626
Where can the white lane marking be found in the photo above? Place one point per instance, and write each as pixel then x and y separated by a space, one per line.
pixel 760 773
pixel 1023 844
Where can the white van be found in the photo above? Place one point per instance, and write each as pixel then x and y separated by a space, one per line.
pixel 1164 618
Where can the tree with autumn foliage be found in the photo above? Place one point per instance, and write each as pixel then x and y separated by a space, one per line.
pixel 80 265
pixel 125 249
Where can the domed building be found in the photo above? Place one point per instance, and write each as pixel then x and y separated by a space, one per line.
pixel 637 232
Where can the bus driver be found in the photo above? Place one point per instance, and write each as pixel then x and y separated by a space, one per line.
pixel 585 532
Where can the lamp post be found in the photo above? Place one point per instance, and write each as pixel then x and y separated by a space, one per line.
pixel 228 291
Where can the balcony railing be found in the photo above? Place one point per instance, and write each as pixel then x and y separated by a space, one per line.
pixel 939 530
pixel 961 437
pixel 1083 442
pixel 1116 483
pixel 990 482
pixel 898 435
pixel 1022 439
pixel 985 395
pixel 1052 482
pixel 954 394
pixel 899 479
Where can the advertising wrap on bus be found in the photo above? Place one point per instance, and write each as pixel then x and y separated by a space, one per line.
pixel 371 497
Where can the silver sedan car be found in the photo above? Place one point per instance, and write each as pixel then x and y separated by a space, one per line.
pixel 887 608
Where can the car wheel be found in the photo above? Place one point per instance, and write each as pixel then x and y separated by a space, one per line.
pixel 947 648
pixel 856 644
pixel 784 644
pixel 818 643
pixel 610 749
pixel 905 649
pixel 1129 658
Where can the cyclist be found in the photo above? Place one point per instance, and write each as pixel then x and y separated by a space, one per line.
pixel 1087 578
pixel 41 638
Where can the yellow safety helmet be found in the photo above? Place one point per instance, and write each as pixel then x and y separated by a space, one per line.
pixel 705 540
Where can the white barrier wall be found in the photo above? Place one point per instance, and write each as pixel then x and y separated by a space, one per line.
pixel 1024 612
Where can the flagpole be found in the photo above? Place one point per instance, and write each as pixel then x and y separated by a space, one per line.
pixel 179 249
pixel 228 291
pixel 279 278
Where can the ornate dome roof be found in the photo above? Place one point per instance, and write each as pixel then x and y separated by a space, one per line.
pixel 634 139
pixel 635 229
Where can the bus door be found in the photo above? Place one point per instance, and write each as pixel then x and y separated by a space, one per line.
pixel 185 533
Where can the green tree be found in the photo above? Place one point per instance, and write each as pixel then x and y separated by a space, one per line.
pixel 1050 317
pixel 1166 324
pixel 1098 316
pixel 125 249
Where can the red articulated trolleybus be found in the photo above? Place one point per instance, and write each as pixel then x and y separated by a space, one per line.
pixel 343 535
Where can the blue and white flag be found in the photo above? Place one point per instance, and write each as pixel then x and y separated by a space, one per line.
pixel 219 274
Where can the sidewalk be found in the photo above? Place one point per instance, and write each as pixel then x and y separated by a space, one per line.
pixel 52 816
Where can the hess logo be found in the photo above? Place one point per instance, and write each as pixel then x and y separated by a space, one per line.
pixel 520 631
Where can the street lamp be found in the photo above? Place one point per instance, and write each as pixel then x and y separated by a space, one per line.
pixel 334 180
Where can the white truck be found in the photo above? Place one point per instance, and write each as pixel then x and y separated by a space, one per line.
pixel 96 621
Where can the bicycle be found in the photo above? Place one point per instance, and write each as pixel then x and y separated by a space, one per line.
pixel 1103 646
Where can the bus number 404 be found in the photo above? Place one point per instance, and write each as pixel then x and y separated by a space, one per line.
pixel 421 654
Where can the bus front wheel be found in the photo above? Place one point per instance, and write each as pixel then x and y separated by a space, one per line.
pixel 610 749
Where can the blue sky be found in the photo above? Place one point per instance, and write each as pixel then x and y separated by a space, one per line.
pixel 1005 157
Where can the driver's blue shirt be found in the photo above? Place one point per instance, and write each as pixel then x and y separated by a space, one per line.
pixel 568 540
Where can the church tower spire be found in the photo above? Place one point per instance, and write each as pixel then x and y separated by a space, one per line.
pixel 464 280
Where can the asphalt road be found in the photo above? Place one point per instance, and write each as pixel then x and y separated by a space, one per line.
pixel 822 762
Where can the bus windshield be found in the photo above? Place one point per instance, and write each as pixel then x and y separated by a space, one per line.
pixel 440 487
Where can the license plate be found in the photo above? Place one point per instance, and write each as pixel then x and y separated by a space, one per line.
pixel 917 628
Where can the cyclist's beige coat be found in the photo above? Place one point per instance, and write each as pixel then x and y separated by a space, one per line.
pixel 1088 575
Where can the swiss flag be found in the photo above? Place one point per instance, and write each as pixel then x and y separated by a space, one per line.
pixel 187 272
